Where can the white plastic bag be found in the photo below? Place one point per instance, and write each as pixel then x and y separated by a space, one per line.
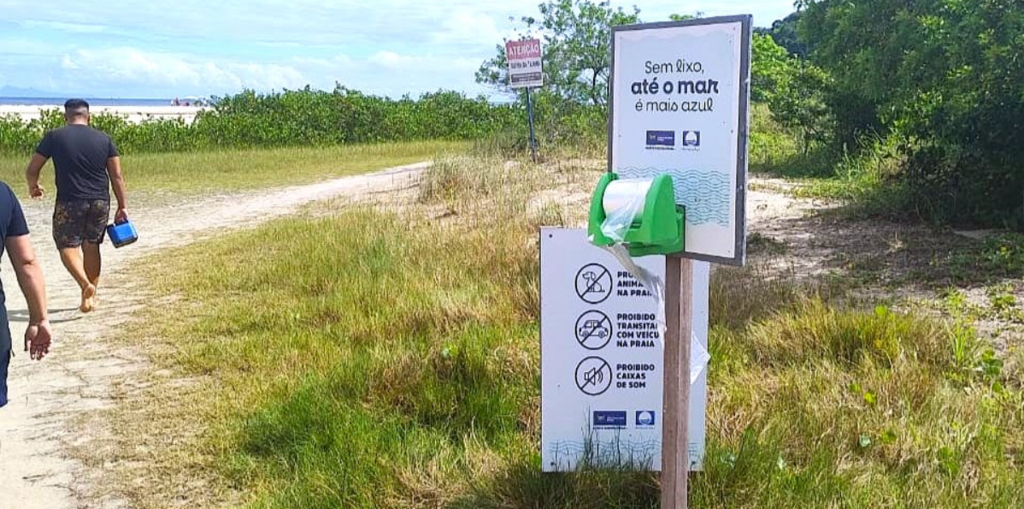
pixel 652 283
pixel 699 358
pixel 623 203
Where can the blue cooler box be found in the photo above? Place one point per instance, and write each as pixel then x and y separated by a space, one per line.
pixel 122 234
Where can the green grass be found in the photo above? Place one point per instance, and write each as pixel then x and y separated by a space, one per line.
pixel 384 359
pixel 218 171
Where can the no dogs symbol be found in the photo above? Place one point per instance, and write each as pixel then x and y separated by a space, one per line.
pixel 594 283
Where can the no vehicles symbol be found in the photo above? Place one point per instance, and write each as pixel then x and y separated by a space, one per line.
pixel 593 330
pixel 594 283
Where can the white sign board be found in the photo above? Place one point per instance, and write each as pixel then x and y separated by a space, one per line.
pixel 524 63
pixel 602 359
pixel 680 95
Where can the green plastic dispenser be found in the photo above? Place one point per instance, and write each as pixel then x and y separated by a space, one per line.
pixel 657 230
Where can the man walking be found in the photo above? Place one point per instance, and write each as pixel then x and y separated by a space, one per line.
pixel 86 163
pixel 14 232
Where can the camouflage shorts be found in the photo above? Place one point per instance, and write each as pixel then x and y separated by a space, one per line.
pixel 80 221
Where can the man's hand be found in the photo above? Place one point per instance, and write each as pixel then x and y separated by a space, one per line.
pixel 32 175
pixel 37 340
pixel 118 185
pixel 30 279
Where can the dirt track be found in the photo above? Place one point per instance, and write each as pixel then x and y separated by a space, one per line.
pixel 39 424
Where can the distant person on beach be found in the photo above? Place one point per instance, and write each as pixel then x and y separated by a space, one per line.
pixel 14 231
pixel 86 163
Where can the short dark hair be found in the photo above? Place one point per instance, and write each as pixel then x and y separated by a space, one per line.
pixel 75 107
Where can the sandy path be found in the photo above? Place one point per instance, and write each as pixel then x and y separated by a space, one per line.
pixel 909 264
pixel 39 424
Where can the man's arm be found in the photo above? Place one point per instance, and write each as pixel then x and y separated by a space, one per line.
pixel 35 166
pixel 120 188
pixel 30 278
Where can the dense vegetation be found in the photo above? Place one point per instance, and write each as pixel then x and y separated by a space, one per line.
pixel 305 117
pixel 942 80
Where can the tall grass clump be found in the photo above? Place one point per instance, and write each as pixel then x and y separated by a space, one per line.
pixel 379 345
pixel 818 404
pixel 389 358
pixel 471 182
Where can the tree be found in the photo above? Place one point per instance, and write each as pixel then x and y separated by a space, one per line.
pixel 684 17
pixel 785 33
pixel 792 88
pixel 772 68
pixel 577 49
pixel 945 77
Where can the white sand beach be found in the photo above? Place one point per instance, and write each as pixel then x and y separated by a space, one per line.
pixel 133 114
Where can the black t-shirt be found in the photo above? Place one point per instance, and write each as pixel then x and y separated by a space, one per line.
pixel 80 155
pixel 12 224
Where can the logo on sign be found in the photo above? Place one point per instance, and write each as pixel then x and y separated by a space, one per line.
pixel 609 419
pixel 645 418
pixel 691 140
pixel 661 140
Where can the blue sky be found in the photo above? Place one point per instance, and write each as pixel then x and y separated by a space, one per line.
pixel 161 49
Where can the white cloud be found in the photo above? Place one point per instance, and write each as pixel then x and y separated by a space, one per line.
pixel 420 64
pixel 336 62
pixel 412 22
pixel 470 28
pixel 391 59
pixel 21 46
pixel 74 28
pixel 194 47
pixel 131 66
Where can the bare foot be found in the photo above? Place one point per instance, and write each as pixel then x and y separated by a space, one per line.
pixel 88 299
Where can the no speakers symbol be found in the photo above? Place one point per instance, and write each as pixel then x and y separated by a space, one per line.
pixel 593 376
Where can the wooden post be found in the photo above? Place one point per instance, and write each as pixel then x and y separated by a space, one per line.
pixel 675 440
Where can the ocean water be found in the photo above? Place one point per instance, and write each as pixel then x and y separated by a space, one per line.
pixel 59 101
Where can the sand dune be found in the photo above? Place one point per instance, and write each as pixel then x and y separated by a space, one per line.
pixel 132 113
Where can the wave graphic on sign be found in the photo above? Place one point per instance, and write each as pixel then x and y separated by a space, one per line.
pixel 705 194
pixel 607 453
